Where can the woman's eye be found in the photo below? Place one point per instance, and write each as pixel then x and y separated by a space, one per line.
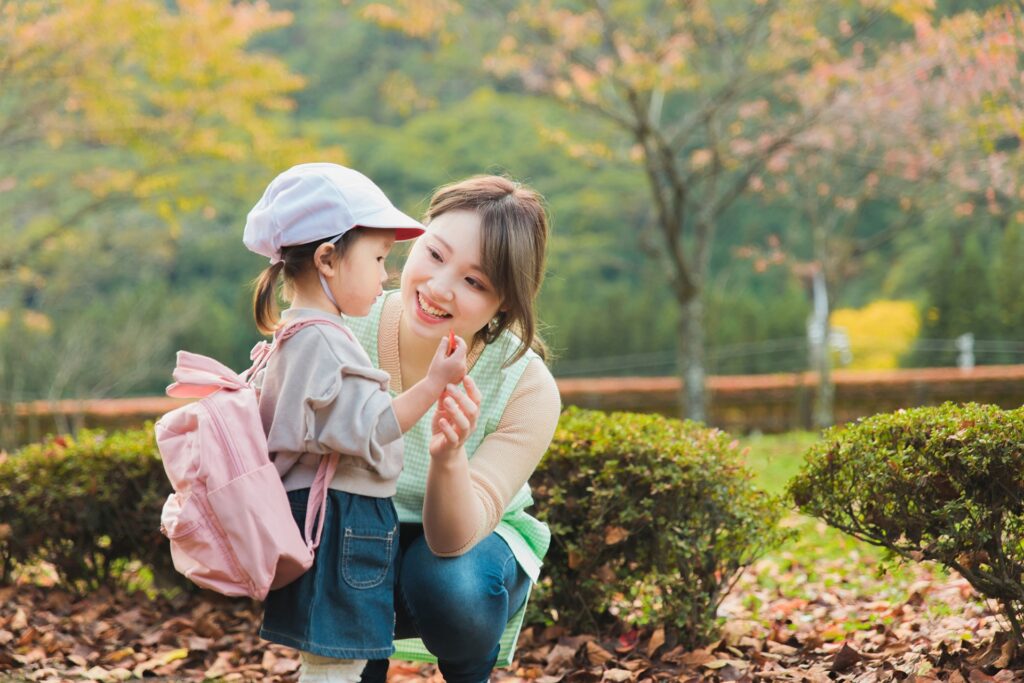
pixel 380 259
pixel 475 284
pixel 433 254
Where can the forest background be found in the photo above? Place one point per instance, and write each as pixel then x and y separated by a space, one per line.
pixel 704 164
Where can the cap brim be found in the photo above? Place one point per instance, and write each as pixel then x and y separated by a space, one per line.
pixel 405 227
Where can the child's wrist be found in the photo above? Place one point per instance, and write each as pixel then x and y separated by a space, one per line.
pixel 436 385
pixel 447 457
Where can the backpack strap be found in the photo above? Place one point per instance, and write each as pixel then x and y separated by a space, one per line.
pixel 260 354
pixel 316 507
pixel 289 330
pixel 317 504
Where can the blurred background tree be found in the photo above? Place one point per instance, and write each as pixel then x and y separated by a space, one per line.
pixel 127 130
pixel 719 148
pixel 703 96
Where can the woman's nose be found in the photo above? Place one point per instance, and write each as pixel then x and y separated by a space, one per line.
pixel 440 289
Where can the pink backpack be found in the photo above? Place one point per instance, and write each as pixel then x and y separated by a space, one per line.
pixel 229 521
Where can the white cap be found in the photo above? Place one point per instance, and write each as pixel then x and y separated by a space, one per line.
pixel 311 202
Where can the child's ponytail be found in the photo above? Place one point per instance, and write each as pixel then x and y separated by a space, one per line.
pixel 264 299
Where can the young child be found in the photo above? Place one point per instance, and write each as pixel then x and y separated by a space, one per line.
pixel 327 230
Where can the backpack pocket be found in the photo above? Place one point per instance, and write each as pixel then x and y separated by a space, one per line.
pixel 260 527
pixel 366 556
pixel 196 550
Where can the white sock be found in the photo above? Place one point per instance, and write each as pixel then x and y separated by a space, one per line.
pixel 317 669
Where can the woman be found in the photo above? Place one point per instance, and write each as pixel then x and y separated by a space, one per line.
pixel 469 550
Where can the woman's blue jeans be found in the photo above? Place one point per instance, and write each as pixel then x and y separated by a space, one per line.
pixel 458 606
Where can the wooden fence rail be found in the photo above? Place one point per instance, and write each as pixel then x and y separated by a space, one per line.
pixel 738 403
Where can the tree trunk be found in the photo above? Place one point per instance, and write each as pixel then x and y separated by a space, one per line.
pixel 693 397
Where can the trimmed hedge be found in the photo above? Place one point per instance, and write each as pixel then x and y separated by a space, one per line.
pixel 652 520
pixel 941 483
pixel 83 504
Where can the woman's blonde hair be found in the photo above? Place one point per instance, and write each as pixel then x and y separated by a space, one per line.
pixel 514 234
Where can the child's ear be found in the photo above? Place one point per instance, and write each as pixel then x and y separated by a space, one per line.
pixel 323 259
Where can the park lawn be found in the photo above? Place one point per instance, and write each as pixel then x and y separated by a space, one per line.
pixel 819 558
pixel 774 459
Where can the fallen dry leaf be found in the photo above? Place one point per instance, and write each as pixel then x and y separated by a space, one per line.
pixel 575 559
pixel 98 673
pixel 780 649
pixel 19 622
pixel 597 655
pixel 656 641
pixel 715 664
pixel 284 666
pixel 118 655
pixel 979 676
pixel 615 534
pixel 160 660
pixel 697 658
pixel 769 635
pixel 846 658
pixel 559 657
pixel 734 631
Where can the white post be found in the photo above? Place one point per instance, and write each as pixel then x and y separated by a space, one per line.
pixel 965 351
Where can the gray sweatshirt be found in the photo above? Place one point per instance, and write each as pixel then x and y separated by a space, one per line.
pixel 320 394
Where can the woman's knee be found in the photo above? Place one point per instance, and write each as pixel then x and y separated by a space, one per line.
pixel 459 604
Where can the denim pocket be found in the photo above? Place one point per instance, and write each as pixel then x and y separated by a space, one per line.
pixel 366 556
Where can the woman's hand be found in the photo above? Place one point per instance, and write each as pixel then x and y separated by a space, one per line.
pixel 454 419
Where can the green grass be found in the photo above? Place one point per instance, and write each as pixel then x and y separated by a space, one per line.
pixel 776 458
pixel 817 554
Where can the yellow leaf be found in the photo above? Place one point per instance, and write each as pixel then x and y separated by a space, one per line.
pixel 173 655
pixel 161 659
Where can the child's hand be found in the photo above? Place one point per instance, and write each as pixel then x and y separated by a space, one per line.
pixel 454 419
pixel 448 369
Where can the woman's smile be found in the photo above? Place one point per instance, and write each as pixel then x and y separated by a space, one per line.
pixel 433 313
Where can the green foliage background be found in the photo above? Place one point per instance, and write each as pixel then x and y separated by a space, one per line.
pixel 121 294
